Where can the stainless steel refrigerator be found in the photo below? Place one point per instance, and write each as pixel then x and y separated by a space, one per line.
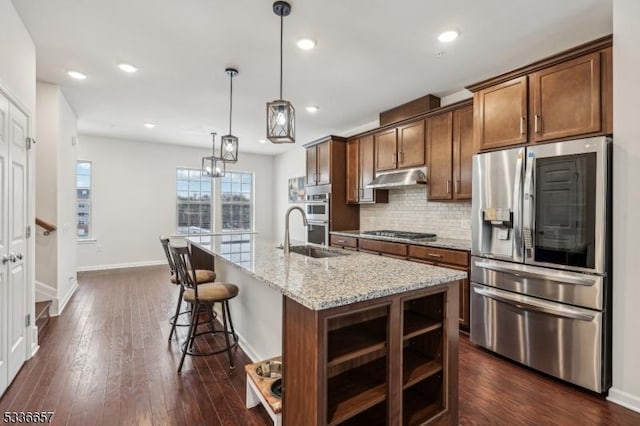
pixel 541 256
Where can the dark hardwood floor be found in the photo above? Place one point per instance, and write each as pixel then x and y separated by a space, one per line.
pixel 106 360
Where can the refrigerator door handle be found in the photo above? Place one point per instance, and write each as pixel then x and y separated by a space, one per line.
pixel 528 205
pixel 548 276
pixel 527 304
pixel 517 208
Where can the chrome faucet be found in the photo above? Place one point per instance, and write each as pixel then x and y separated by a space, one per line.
pixel 286 225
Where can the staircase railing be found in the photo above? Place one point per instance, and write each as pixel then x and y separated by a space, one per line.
pixel 48 227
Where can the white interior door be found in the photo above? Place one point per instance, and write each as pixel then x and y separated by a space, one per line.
pixel 4 249
pixel 17 227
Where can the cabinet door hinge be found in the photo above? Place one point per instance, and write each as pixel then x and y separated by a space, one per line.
pixel 28 231
pixel 29 142
pixel 27 320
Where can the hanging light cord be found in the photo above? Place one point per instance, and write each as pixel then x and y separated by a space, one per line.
pixel 230 102
pixel 281 30
pixel 213 145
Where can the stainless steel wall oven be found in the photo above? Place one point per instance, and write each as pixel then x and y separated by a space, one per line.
pixel 317 210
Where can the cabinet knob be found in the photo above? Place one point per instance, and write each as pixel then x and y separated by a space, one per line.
pixel 457 186
pixel 448 187
pixel 522 125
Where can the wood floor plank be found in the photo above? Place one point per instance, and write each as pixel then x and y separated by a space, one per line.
pixel 107 360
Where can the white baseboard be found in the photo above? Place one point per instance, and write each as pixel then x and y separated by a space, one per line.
pixel 121 265
pixel 249 350
pixel 65 300
pixel 627 400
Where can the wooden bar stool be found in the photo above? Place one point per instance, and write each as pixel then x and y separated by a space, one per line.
pixel 202 276
pixel 203 297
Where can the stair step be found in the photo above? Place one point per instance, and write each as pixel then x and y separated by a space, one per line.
pixel 42 317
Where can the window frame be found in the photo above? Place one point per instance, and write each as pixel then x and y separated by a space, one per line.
pixel 250 203
pixel 177 200
pixel 90 233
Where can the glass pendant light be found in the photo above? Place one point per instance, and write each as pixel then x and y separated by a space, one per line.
pixel 229 143
pixel 281 115
pixel 213 166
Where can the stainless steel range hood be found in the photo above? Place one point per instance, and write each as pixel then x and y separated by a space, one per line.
pixel 397 179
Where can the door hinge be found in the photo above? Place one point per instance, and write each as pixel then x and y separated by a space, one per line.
pixel 29 141
pixel 27 320
pixel 28 231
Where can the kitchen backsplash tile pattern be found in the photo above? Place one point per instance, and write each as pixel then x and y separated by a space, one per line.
pixel 408 210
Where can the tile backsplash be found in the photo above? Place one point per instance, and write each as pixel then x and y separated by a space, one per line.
pixel 409 210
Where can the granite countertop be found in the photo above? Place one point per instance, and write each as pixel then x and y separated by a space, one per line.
pixel 448 243
pixel 327 282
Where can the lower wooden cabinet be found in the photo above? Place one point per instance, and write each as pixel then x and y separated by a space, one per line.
pixel 454 259
pixel 383 247
pixel 387 361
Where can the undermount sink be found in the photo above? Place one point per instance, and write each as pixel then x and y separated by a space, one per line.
pixel 316 252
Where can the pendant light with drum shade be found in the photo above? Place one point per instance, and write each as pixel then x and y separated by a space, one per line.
pixel 213 166
pixel 229 143
pixel 280 113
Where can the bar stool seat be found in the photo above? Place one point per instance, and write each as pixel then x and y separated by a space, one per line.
pixel 213 292
pixel 202 276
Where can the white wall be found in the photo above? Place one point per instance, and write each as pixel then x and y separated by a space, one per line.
pixel 134 197
pixel 292 163
pixel 626 204
pixel 66 195
pixel 56 253
pixel 47 109
pixel 18 58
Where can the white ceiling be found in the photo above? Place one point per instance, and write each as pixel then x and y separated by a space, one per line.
pixel 371 55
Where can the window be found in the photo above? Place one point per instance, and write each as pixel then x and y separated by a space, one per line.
pixel 237 248
pixel 193 195
pixel 236 196
pixel 83 199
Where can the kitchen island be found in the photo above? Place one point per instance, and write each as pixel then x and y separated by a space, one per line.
pixel 364 338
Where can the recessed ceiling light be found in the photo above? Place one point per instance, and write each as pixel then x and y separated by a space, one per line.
pixel 262 141
pixel 149 125
pixel 127 68
pixel 76 74
pixel 448 36
pixel 306 43
pixel 311 108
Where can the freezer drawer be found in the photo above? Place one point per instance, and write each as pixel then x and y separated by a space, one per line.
pixel 560 340
pixel 574 288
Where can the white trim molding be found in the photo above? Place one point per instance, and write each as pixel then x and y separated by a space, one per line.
pixel 65 300
pixel 627 400
pixel 121 265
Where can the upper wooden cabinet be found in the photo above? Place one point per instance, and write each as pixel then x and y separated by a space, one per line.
pixel 361 171
pixel 449 152
pixel 565 99
pixel 319 164
pixel 501 114
pixel 353 184
pixel 462 152
pixel 411 145
pixel 401 147
pixel 564 96
pixel 386 149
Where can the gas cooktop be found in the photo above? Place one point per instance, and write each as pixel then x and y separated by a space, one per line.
pixel 401 234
